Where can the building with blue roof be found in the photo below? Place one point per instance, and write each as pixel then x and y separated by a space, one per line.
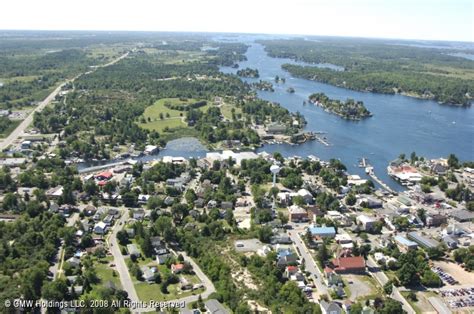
pixel 323 232
pixel 404 244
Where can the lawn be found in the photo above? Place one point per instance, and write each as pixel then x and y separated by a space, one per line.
pixel 226 110
pixel 171 118
pixel 11 127
pixel 105 273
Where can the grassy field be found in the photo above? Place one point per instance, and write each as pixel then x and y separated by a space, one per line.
pixel 10 129
pixel 105 273
pixel 171 118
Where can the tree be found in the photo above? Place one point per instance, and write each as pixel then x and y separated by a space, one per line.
pixel 430 279
pixel 391 306
pixel 55 290
pixel 388 287
pixel 408 275
pixel 453 161
pixel 122 237
pixel 265 233
pixel 351 199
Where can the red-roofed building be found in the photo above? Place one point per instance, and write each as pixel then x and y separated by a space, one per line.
pixel 345 265
pixel 177 268
pixel 291 270
pixel 102 183
pixel 106 175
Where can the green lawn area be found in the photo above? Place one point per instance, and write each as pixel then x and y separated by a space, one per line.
pixel 105 273
pixel 175 119
pixel 226 110
pixel 10 129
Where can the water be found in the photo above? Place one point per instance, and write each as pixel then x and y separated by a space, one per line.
pixel 400 124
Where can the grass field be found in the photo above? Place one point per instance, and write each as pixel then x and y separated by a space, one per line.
pixel 10 129
pixel 171 118
pixel 105 273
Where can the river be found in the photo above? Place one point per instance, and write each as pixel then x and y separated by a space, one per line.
pixel 400 124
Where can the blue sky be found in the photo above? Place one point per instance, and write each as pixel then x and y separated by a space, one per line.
pixel 410 19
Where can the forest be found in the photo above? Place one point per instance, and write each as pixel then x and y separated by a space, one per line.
pixel 380 66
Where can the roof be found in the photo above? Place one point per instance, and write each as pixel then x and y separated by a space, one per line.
pixel 105 174
pixel 295 209
pixel 405 241
pixel 353 262
pixel 215 307
pixel 365 219
pixel 462 214
pixel 423 241
pixel 322 230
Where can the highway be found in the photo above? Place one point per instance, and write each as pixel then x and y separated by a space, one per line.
pixel 20 129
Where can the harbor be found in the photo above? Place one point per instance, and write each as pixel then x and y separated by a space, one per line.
pixel 369 170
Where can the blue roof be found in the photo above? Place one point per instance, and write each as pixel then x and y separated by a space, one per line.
pixel 284 253
pixel 322 230
pixel 405 241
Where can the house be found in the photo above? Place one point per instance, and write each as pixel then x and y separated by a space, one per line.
pixel 371 202
pixel 143 198
pixel 286 260
pixel 331 277
pixel 26 145
pixel 214 307
pixel 89 210
pixel 330 308
pixel 439 169
pixel 367 223
pixel 349 265
pixel 74 261
pixel 184 284
pixel 100 227
pixel 436 220
pixel 297 213
pixel 199 203
pixel 462 215
pixel 323 232
pixel 291 270
pixel 149 273
pixel 109 220
pixel 177 268
pixel 450 242
pixel 306 195
pixel 55 192
pixel 404 244
pixel 276 129
pixel 150 149
pixel 314 213
pixel 133 250
pixel 138 214
pixel 104 176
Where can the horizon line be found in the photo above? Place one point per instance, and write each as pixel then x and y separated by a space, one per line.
pixel 233 33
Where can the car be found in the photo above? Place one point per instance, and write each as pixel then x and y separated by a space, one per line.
pixel 239 244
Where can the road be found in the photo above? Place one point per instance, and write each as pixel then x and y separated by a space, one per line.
pixel 56 268
pixel 380 276
pixel 20 129
pixel 310 264
pixel 120 265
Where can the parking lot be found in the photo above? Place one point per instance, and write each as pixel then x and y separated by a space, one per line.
pixel 447 278
pixel 250 245
pixel 459 274
pixel 459 298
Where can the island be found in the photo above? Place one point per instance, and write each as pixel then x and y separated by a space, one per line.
pixel 263 86
pixel 248 72
pixel 349 110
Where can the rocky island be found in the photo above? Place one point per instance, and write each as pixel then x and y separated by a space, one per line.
pixel 248 72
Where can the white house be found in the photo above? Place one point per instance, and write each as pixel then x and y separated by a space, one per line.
pixel 100 227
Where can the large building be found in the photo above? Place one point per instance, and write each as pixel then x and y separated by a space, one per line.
pixel 322 232
pixel 404 244
pixel 423 241
pixel 297 213
pixel 367 223
pixel 349 265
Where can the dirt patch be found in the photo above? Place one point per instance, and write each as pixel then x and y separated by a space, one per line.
pixel 462 276
pixel 359 286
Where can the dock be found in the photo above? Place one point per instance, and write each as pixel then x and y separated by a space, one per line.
pixel 382 184
pixel 321 139
pixel 363 162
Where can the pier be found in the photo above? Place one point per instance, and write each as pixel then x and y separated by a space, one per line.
pixel 321 139
pixel 382 184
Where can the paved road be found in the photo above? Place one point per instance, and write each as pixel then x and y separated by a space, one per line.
pixel 310 264
pixel 380 276
pixel 120 265
pixel 20 129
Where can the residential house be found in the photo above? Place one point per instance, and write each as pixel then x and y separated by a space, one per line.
pixel 436 220
pixel 306 195
pixel 177 268
pixel 133 250
pixel 100 227
pixel 149 273
pixel 330 307
pixel 138 214
pixel 462 215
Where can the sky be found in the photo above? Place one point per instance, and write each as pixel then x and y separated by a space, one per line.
pixel 405 19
